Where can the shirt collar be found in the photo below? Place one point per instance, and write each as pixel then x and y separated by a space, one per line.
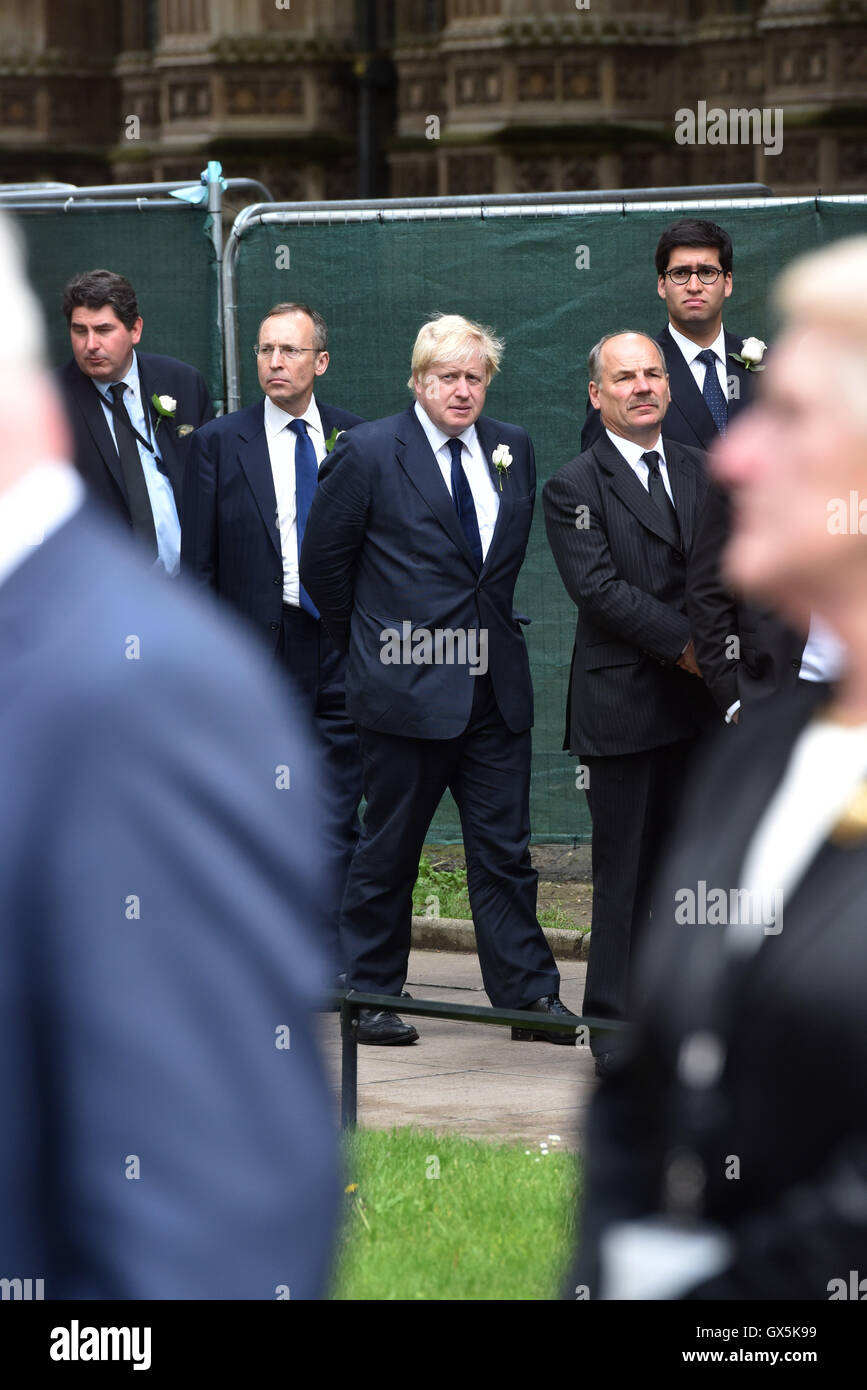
pixel 632 452
pixel 277 419
pixel 33 508
pixel 691 350
pixel 132 379
pixel 436 438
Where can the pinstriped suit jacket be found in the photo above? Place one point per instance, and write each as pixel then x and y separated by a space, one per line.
pixel 627 573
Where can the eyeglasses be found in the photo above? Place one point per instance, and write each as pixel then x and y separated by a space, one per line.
pixel 287 354
pixel 682 274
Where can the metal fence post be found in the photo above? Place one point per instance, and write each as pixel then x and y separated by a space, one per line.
pixel 349 1065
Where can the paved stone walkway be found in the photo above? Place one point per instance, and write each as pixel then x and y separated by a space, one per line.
pixel 469 1078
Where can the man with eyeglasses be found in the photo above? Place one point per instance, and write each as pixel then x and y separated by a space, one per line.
pixel 708 385
pixel 251 480
pixel 694 265
pixel 744 652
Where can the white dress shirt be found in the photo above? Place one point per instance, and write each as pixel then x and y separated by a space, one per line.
pixel 824 654
pixel 827 764
pixel 633 452
pixel 33 508
pixel 160 492
pixel 475 465
pixel 691 351
pixel 281 452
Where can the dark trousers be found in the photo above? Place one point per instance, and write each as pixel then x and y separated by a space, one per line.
pixel 318 671
pixel 487 770
pixel 633 800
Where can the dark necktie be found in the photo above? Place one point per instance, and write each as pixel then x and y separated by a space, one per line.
pixel 306 479
pixel 712 391
pixel 464 504
pixel 658 493
pixel 140 509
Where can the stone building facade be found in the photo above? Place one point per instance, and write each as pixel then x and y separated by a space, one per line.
pixel 465 96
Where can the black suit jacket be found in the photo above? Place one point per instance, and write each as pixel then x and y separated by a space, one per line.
pixel 230 542
pixel 384 547
pixel 627 573
pixel 687 420
pixel 768 654
pixel 791 1104
pixel 95 454
pixel 169 922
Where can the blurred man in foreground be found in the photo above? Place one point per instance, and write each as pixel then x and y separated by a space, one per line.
pixel 729 1158
pixel 166 1129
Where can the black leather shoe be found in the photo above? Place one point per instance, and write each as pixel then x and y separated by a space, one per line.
pixel 384 1026
pixel 548 1004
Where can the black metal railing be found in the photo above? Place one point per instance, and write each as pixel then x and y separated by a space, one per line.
pixel 349 1005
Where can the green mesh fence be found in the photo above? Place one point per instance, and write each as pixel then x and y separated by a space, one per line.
pixel 167 256
pixel 375 282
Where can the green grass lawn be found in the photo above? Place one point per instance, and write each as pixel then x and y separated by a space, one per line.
pixel 443 893
pixel 429 1216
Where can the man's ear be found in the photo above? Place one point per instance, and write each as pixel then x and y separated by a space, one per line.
pixel 322 363
pixel 660 286
pixel 593 392
pixel 136 329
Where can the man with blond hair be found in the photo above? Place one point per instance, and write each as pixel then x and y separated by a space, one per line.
pixel 413 545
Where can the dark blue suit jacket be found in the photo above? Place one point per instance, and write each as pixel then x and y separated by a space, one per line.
pixel 160 912
pixel 230 540
pixel 627 574
pixel 384 546
pixel 687 420
pixel 95 454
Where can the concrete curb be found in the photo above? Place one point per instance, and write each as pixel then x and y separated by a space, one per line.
pixel 453 934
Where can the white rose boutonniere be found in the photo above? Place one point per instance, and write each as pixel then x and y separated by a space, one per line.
pixel 502 461
pixel 165 407
pixel 751 354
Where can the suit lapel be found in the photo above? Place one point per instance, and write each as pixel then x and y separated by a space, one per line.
pixel 488 443
pixel 744 377
pixel 256 463
pixel 681 475
pixel 87 399
pixel 632 494
pixel 416 458
pixel 685 395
